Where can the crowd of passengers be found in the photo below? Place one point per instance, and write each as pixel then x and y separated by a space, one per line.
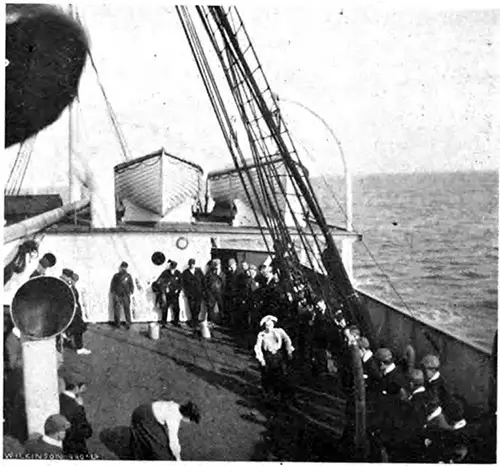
pixel 294 329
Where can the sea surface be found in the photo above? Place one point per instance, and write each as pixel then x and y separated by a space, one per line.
pixel 435 235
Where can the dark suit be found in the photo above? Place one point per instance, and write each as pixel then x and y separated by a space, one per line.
pixel 169 286
pixel 373 375
pixel 231 296
pixel 214 287
pixel 405 443
pixel 452 407
pixel 122 286
pixel 14 409
pixel 192 284
pixel 247 287
pixel 387 399
pixel 78 326
pixel 38 448
pixel 80 430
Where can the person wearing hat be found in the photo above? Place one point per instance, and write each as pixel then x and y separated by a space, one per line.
pixel 272 343
pixel 231 293
pixel 247 287
pixel 47 261
pixel 14 410
pixel 436 386
pixel 77 327
pixel 154 429
pixel 169 285
pixel 72 408
pixel 392 380
pixel 389 391
pixel 192 284
pixel 215 282
pixel 121 289
pixel 320 338
pixel 371 369
pixel 50 444
pixel 417 410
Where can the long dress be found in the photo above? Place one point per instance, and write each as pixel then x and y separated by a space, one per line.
pixel 149 439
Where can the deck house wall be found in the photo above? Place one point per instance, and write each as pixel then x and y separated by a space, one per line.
pixel 95 257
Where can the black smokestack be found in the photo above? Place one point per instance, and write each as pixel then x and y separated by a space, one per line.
pixel 46 51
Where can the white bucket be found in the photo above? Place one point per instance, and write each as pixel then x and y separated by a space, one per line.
pixel 204 330
pixel 154 330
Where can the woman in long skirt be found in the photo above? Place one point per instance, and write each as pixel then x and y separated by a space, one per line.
pixel 155 428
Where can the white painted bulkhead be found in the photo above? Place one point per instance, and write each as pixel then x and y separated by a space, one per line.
pixel 96 256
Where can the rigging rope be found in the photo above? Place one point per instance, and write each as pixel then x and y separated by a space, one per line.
pixel 20 167
pixel 259 139
pixel 111 112
pixel 218 106
pixel 384 274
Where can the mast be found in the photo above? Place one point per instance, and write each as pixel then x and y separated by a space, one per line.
pixel 269 141
pixel 331 257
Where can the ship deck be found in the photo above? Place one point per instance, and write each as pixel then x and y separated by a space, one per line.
pixel 126 369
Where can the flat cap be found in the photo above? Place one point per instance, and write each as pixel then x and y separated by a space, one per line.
pixel 56 423
pixel 73 379
pixel 383 355
pixel 68 273
pixel 430 361
pixel 364 343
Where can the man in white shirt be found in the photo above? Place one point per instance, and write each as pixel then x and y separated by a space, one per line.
pixel 155 429
pixel 269 349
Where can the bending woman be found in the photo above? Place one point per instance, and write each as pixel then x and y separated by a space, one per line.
pixel 155 429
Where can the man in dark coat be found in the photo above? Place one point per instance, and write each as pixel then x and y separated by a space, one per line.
pixel 192 284
pixel 231 293
pixel 215 281
pixel 169 285
pixel 122 287
pixel 14 409
pixel 389 391
pixel 371 367
pixel 78 326
pixel 434 383
pixel 247 286
pixel 71 407
pixel 49 445
pixel 321 335
pixel 406 442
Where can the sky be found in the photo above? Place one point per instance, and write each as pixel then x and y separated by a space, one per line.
pixel 403 90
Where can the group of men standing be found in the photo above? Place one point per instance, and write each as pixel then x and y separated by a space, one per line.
pixel 228 294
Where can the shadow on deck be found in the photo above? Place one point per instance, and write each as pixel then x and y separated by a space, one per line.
pixel 126 369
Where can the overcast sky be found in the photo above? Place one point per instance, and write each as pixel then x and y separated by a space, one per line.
pixel 403 90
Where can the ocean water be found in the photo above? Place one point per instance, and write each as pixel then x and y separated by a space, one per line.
pixel 435 235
